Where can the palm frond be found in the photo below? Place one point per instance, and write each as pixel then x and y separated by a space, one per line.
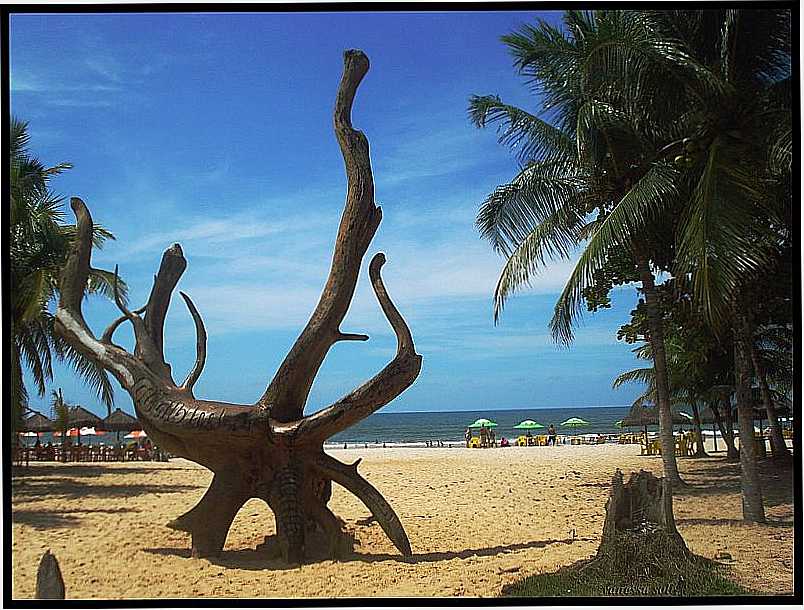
pixel 643 203
pixel 34 350
pixel 102 282
pixel 512 211
pixel 93 375
pixel 643 375
pixel 554 238
pixel 722 239
pixel 528 136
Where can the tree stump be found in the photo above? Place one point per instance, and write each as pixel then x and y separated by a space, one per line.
pixel 639 520
pixel 641 553
pixel 49 583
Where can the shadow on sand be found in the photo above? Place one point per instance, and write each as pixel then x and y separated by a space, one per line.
pixel 53 519
pixel 84 469
pixel 44 488
pixel 249 559
pixel 723 478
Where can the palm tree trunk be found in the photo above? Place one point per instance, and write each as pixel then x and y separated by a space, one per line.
pixel 699 445
pixel 18 401
pixel 727 434
pixel 731 449
pixel 753 511
pixel 778 446
pixel 656 339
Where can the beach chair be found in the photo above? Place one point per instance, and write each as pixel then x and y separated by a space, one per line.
pixel 521 441
pixel 474 443
pixel 541 440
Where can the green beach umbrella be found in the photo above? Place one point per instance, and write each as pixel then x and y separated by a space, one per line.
pixel 574 422
pixel 528 424
pixel 479 423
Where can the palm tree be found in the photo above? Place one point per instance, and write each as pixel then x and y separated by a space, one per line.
pixel 771 356
pixel 587 172
pixel 734 222
pixel 38 247
pixel 637 88
pixel 692 371
pixel 60 414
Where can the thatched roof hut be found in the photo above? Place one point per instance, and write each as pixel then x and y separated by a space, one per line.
pixel 120 421
pixel 38 423
pixel 783 409
pixel 80 418
pixel 649 416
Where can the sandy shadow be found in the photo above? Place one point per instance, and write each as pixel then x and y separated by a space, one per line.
pixel 732 522
pixel 51 469
pixel 250 559
pixel 72 489
pixel 467 553
pixel 52 519
pixel 723 478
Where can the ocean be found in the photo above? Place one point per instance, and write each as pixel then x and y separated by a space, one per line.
pixel 415 429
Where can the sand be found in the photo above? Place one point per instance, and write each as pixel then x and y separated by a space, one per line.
pixel 477 520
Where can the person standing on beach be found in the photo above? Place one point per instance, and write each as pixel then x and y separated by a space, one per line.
pixel 484 437
pixel 551 435
pixel 468 436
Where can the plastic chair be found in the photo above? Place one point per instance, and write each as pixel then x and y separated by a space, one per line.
pixel 474 443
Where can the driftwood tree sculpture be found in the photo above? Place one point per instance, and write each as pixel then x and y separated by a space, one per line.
pixel 268 450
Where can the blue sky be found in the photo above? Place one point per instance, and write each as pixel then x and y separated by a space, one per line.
pixel 214 131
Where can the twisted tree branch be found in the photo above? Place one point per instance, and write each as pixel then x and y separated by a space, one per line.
pixel 201 345
pixel 170 270
pixel 348 477
pixel 288 391
pixel 389 383
pixel 110 330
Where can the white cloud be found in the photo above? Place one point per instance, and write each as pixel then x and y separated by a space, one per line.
pixel 248 272
pixel 69 102
pixel 106 66
pixel 428 154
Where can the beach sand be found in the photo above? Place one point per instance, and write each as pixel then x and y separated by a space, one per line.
pixel 477 520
